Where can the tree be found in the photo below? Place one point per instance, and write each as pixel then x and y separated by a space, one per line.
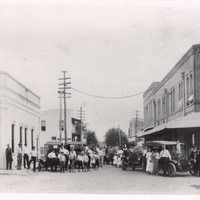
pixel 112 137
pixel 91 138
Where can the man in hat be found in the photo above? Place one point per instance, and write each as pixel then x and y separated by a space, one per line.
pixel 165 157
pixel 8 157
pixel 26 156
pixel 19 156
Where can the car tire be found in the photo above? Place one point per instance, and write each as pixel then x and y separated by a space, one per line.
pixel 124 166
pixel 171 169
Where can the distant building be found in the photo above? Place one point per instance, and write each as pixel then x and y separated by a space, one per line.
pixel 19 117
pixel 172 106
pixel 50 129
pixel 135 126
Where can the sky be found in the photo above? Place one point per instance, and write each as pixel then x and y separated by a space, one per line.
pixel 109 48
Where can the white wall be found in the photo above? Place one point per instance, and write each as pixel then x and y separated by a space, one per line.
pixel 16 108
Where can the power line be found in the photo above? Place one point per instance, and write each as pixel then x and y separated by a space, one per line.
pixel 108 97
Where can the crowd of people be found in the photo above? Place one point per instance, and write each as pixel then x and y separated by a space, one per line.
pixel 152 159
pixel 23 156
pixel 94 156
pixel 69 159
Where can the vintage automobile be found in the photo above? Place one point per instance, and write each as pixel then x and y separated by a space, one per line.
pixel 132 158
pixel 44 161
pixel 177 163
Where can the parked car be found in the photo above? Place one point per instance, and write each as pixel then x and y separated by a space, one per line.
pixel 177 163
pixel 44 161
pixel 132 158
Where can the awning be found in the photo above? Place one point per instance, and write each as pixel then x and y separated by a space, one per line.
pixel 190 121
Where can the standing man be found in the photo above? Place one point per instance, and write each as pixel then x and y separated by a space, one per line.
pixel 144 160
pixel 33 158
pixel 165 157
pixel 26 156
pixel 8 157
pixel 19 156
pixel 66 154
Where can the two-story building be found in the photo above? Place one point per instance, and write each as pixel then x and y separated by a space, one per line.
pixel 19 117
pixel 52 130
pixel 172 106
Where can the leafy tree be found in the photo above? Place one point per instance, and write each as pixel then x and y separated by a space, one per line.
pixel 112 137
pixel 91 138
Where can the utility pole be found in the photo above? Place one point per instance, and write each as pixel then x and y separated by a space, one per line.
pixel 136 123
pixel 64 90
pixel 60 122
pixel 81 116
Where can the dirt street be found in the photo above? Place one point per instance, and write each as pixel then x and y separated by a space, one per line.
pixel 108 179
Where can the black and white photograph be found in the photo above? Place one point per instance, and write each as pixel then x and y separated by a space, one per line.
pixel 99 98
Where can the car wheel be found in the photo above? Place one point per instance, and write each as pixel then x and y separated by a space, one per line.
pixel 124 166
pixel 192 169
pixel 171 169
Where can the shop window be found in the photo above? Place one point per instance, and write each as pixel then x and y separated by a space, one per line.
pixel 43 125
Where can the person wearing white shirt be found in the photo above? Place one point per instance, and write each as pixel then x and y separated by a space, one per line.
pixel 19 156
pixel 53 160
pixel 165 157
pixel 33 158
pixel 66 154
pixel 26 156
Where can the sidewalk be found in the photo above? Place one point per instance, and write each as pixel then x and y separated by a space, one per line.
pixel 22 172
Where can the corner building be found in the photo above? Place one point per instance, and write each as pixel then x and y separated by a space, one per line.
pixel 19 117
pixel 172 106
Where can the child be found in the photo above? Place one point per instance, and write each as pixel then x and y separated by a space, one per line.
pixel 80 161
pixel 97 161
pixel 115 160
pixel 62 160
pixel 85 161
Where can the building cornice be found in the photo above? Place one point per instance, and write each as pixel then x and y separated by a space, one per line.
pixel 193 50
pixel 5 73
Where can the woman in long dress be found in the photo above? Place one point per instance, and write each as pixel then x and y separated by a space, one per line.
pixel 149 167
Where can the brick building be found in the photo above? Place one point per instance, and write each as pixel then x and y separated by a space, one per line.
pixel 172 106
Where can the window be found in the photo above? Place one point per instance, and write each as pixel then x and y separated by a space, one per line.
pixel 163 106
pixel 173 100
pixel 43 125
pixel 53 138
pixel 13 138
pixel 159 110
pixel 180 90
pixel 191 84
pixel 187 87
pixel 32 137
pixel 25 136
pixel 20 134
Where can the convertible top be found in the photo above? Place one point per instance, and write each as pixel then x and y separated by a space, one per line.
pixel 161 142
